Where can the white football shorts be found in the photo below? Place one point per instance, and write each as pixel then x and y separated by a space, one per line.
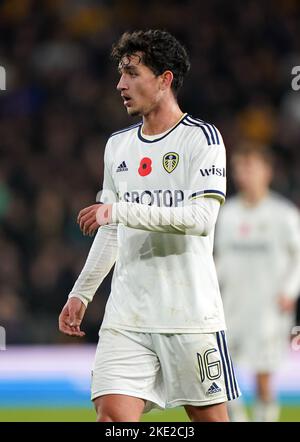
pixel 166 370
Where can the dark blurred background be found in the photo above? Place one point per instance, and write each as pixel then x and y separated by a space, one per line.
pixel 61 105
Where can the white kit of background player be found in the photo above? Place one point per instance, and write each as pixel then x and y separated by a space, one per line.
pixel 258 259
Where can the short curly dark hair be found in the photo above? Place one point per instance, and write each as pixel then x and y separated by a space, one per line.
pixel 161 52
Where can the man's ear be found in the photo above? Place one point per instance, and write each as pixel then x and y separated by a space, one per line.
pixel 166 79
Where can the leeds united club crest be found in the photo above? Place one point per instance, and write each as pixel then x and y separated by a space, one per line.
pixel 170 161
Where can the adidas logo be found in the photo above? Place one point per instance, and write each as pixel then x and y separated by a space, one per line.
pixel 214 388
pixel 122 167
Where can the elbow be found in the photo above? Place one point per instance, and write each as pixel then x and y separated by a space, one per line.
pixel 204 217
pixel 207 229
pixel 205 233
pixel 201 229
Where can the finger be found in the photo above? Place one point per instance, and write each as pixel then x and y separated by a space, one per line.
pixel 85 215
pixel 75 331
pixel 87 210
pixel 62 320
pixel 92 228
pixel 69 323
pixel 64 325
pixel 71 331
pixel 88 224
pixel 84 211
pixel 65 328
pixel 80 215
pixel 79 332
pixel 72 321
pixel 84 218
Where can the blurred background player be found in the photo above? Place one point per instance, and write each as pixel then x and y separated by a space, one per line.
pixel 258 263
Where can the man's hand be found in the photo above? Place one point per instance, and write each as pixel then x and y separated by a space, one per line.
pixel 286 304
pixel 92 217
pixel 71 317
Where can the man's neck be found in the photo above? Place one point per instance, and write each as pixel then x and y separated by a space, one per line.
pixel 160 120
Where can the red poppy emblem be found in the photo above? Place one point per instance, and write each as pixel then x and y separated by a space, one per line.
pixel 145 166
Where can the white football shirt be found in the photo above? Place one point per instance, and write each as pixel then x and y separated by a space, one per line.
pixel 164 282
pixel 258 259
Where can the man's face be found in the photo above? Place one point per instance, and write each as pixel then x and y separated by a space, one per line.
pixel 140 88
pixel 251 172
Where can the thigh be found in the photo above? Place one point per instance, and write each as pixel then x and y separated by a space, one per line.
pixel 126 365
pixel 119 408
pixel 208 413
pixel 197 369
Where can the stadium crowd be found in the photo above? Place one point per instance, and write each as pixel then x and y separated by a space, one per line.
pixel 60 105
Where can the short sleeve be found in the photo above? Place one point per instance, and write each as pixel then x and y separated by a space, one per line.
pixel 208 165
pixel 108 195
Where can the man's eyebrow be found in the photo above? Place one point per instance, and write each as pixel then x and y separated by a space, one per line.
pixel 127 68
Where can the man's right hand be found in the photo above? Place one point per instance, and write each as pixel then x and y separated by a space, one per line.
pixel 71 316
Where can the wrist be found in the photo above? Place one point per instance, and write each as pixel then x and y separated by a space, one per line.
pixel 81 298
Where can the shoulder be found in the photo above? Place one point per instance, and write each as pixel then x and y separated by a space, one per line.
pixel 117 139
pixel 125 131
pixel 208 132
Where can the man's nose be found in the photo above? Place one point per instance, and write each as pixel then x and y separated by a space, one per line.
pixel 122 84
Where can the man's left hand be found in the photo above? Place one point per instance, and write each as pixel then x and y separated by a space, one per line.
pixel 92 217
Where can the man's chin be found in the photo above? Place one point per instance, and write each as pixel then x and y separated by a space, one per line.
pixel 133 112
